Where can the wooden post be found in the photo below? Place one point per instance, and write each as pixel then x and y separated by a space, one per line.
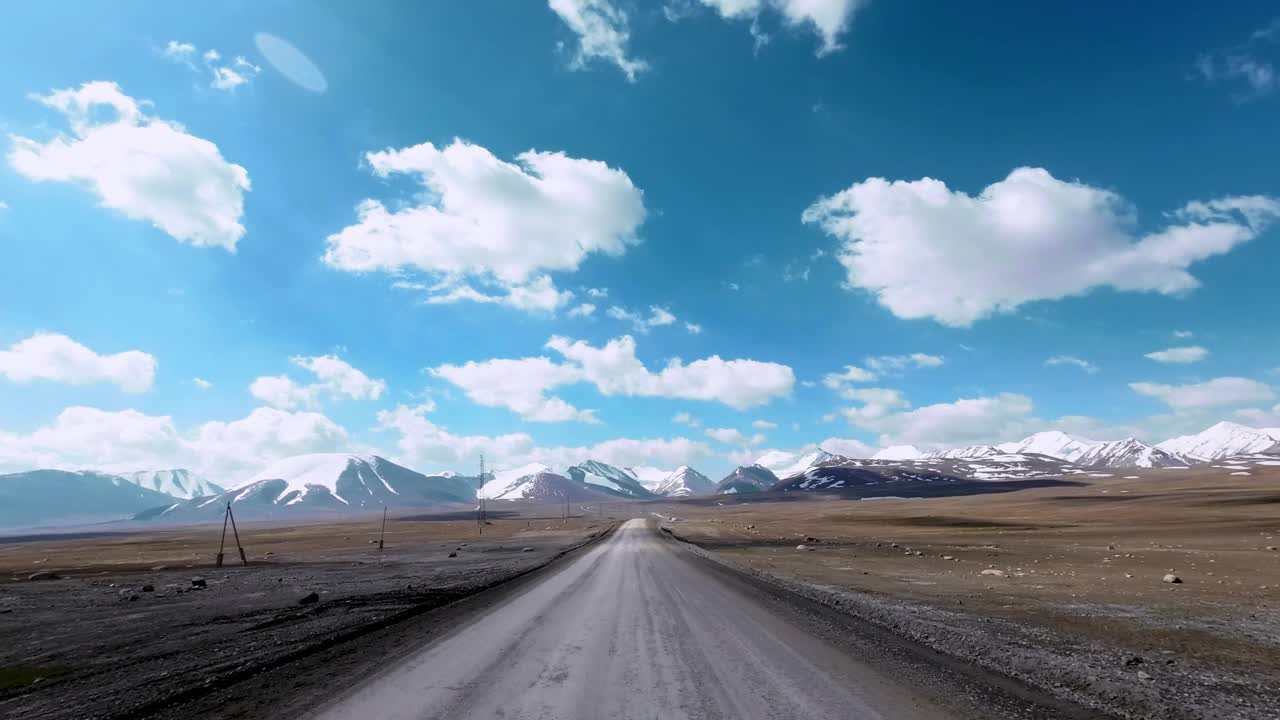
pixel 222 544
pixel 235 532
pixel 383 536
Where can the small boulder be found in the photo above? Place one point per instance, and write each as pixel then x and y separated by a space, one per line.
pixel 44 575
pixel 1171 578
pixel 1143 676
pixel 453 554
pixel 528 549
pixel 148 588
pixel 1135 660
pixel 160 567
pixel 993 571
pixel 1272 548
pixel 198 582
pixel 132 598
pixel 802 546
pixel 310 598
pixel 948 557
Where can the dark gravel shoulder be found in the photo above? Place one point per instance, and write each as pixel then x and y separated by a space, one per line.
pixel 257 641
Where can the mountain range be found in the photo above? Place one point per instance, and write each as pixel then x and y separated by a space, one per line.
pixel 340 483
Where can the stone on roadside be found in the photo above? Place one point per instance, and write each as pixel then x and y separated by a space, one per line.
pixel 198 582
pixel 148 588
pixel 309 599
pixel 44 575
pixel 1171 578
pixel 527 549
pixel 992 571
pixel 802 546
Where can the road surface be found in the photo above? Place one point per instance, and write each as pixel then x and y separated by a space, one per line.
pixel 635 628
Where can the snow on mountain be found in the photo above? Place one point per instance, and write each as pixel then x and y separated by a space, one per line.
pixel 509 484
pixel 649 477
pixel 899 452
pixel 971 451
pixel 747 478
pixel 787 464
pixel 552 487
pixel 178 483
pixel 1053 443
pixel 46 497
pixel 608 478
pixel 685 481
pixel 1272 432
pixel 1220 441
pixel 1128 453
pixel 324 482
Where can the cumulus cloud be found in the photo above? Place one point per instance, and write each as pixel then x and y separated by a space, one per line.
pixel 615 370
pixel 693 328
pixel 829 19
pixel 582 310
pixel 522 385
pixel 518 385
pixel 967 420
pixel 1072 360
pixel 201 383
pixel 489 224
pixel 685 418
pixel 1183 334
pixel 894 363
pixel 1219 392
pixel 851 374
pixel 926 251
pixel 1186 354
pixel 603 33
pixel 424 444
pixel 85 437
pixel 223 74
pixel 764 425
pixel 733 436
pixel 657 317
pixel 334 377
pixel 58 358
pixel 147 168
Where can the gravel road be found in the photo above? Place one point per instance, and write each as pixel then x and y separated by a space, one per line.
pixel 637 627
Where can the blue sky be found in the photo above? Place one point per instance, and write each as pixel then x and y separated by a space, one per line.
pixel 711 165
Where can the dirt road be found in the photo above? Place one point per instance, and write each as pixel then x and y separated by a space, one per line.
pixel 640 628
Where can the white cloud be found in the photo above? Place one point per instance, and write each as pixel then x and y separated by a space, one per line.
pixel 486 221
pixel 423 444
pixel 657 317
pixel 764 425
pixel 828 18
pixel 926 251
pixel 582 310
pixel 615 370
pixel 876 403
pixel 85 437
pixel 1219 392
pixel 597 293
pixel 1260 418
pixel 848 447
pixel 894 363
pixel 693 328
pixel 224 75
pixel 851 374
pixel 1004 416
pixel 519 386
pixel 732 436
pixel 334 377
pixel 685 418
pixel 58 358
pixel 1187 354
pixel 147 168
pixel 1084 365
pixel 603 34
pixel 1183 334
pixel 201 383
pixel 1245 65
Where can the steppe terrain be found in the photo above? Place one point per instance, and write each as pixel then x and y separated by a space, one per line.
pixel 1064 587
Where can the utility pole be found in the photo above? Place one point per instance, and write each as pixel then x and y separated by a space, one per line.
pixel 383 536
pixel 223 543
pixel 235 532
pixel 480 518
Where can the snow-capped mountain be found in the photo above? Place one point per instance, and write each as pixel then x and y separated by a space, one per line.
pixel 747 478
pixel 321 483
pixel 44 497
pixel 1220 441
pixel 610 479
pixel 509 484
pixel 178 483
pixel 685 481
pixel 787 464
pixel 552 487
pixel 970 451
pixel 899 452
pixel 1128 453
pixel 649 477
pixel 1053 443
